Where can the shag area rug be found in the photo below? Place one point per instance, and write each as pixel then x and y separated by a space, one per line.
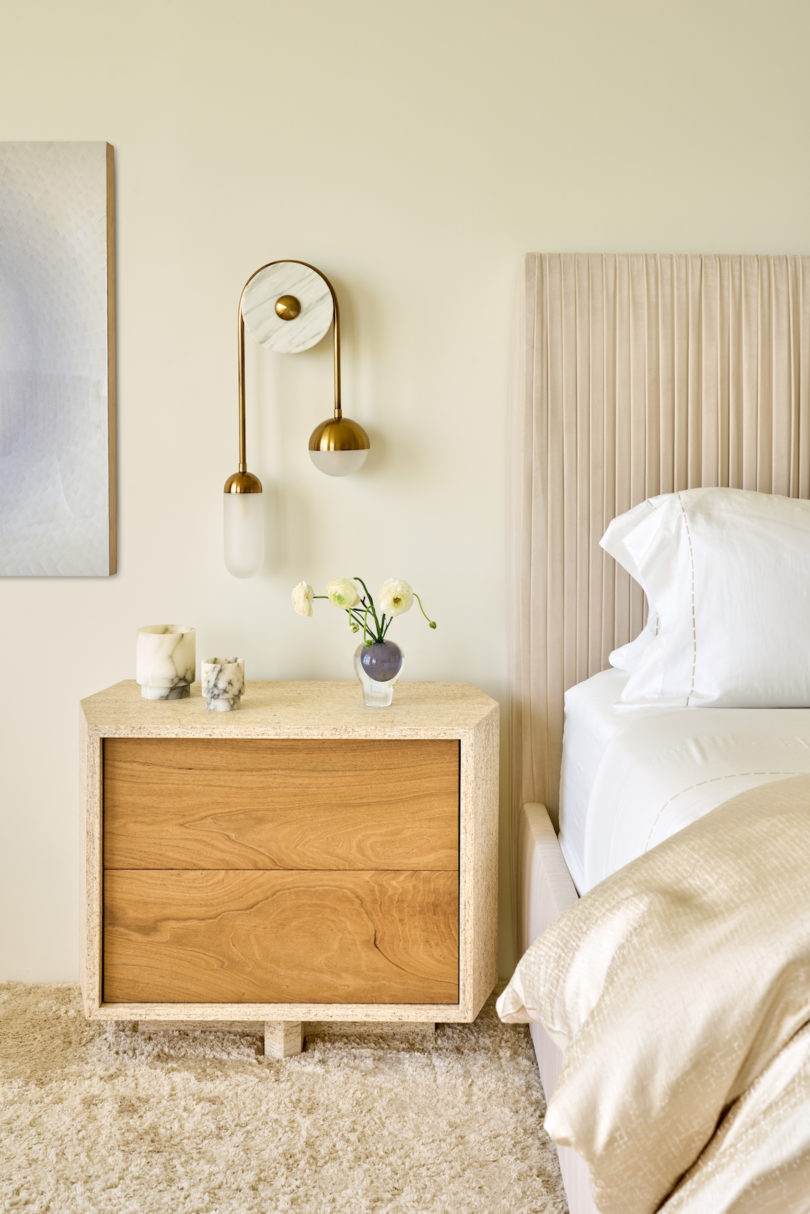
pixel 103 1118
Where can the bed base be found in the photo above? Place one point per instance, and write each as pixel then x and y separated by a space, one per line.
pixel 546 891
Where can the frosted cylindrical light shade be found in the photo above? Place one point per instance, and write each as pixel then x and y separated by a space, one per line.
pixel 244 533
pixel 338 463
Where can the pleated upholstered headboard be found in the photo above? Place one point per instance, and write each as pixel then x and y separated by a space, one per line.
pixel 634 375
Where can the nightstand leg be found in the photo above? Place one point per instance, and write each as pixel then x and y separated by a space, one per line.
pixel 283 1038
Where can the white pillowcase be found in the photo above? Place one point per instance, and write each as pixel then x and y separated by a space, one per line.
pixel 628 656
pixel 727 573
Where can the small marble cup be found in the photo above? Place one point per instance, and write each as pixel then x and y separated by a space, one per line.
pixel 223 681
pixel 165 657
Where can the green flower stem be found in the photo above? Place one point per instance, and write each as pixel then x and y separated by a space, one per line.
pixel 359 618
pixel 370 605
pixel 424 613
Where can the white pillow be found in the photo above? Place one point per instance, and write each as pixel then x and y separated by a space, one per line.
pixel 628 656
pixel 728 572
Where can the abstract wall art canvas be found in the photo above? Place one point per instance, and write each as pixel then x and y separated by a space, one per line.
pixel 57 360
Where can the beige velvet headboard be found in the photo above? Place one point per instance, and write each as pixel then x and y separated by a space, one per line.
pixel 634 375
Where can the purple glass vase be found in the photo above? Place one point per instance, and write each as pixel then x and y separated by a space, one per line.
pixel 378 667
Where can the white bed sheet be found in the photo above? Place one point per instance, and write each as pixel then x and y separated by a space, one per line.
pixel 634 777
pixel 591 721
pixel 662 772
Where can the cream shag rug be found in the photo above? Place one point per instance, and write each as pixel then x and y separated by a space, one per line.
pixel 101 1118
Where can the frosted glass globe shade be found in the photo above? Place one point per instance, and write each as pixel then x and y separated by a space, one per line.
pixel 338 463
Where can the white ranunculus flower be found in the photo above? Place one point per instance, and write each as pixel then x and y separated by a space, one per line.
pixel 343 592
pixel 395 596
pixel 302 598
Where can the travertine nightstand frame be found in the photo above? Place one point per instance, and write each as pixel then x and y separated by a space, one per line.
pixel 301 711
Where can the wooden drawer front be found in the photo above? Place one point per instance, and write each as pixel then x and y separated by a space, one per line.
pixel 290 804
pixel 280 937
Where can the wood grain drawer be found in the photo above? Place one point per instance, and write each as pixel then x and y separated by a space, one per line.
pixel 280 803
pixel 276 937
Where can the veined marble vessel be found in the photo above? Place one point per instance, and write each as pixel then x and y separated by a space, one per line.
pixel 223 681
pixel 165 658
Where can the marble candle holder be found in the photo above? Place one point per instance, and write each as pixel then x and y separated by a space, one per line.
pixel 165 657
pixel 223 681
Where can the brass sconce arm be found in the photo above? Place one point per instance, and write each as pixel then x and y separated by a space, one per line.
pixel 289 306
pixel 242 481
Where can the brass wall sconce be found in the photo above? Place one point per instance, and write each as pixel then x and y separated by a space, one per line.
pixel 289 307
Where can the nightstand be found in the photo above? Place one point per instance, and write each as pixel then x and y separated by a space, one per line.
pixel 302 859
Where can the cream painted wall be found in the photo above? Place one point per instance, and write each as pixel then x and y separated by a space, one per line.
pixel 414 152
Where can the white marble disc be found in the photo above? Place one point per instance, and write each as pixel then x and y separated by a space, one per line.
pixel 259 307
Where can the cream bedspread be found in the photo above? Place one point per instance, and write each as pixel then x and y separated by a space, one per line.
pixel 679 991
